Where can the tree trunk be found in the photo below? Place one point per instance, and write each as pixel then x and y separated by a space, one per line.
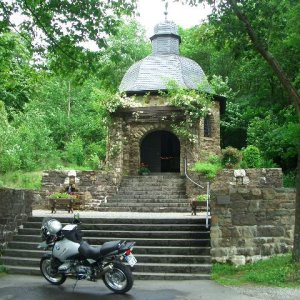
pixel 296 252
pixel 271 60
pixel 69 99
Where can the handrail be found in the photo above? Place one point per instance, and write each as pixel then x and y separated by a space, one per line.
pixel 187 176
pixel 202 187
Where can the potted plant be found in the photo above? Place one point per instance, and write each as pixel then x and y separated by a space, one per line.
pixel 143 170
pixel 198 201
pixel 62 199
pixel 60 195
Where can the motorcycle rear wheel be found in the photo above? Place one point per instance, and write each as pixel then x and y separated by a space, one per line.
pixel 51 275
pixel 119 279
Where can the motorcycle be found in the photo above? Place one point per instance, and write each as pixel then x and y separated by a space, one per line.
pixel 71 256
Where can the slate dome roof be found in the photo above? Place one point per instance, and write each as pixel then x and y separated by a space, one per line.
pixel 164 64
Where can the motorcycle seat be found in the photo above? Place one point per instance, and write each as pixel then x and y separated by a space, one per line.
pixel 89 251
pixel 110 247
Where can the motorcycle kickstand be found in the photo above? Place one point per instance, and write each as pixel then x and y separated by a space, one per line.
pixel 75 285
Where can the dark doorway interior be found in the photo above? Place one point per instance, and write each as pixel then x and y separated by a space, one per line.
pixel 160 150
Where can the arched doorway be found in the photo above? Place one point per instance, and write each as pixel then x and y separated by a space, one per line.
pixel 160 150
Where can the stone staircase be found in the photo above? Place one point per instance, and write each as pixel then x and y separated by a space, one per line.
pixel 165 192
pixel 166 249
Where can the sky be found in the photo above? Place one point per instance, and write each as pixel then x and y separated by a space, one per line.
pixel 152 12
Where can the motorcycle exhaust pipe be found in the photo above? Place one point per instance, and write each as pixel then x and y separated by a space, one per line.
pixel 106 269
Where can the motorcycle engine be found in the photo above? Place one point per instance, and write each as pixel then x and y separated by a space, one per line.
pixel 66 267
pixel 70 267
pixel 83 272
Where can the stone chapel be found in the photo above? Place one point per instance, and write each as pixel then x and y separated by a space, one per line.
pixel 143 133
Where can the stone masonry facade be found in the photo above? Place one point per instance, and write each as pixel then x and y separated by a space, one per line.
pixel 255 224
pixel 131 125
pixel 252 215
pixel 15 208
pixel 252 178
pixel 15 202
pixel 94 186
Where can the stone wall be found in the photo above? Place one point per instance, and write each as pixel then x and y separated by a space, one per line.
pixel 252 215
pixel 15 202
pixel 94 186
pixel 249 178
pixel 15 208
pixel 250 223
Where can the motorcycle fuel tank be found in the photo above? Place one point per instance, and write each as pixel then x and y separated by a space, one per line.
pixel 65 249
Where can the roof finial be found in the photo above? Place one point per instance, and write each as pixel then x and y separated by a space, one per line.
pixel 166 11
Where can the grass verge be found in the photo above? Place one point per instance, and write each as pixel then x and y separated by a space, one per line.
pixel 279 271
pixel 30 180
pixel 22 180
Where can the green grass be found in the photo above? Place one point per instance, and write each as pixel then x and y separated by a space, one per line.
pixel 276 271
pixel 31 180
pixel 22 180
pixel 207 169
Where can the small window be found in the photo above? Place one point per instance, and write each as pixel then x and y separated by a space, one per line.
pixel 207 126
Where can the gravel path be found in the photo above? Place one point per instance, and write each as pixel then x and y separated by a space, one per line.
pixel 269 293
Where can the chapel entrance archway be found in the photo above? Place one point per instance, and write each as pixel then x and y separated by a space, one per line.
pixel 160 151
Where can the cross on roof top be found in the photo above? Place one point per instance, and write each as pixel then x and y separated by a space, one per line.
pixel 166 10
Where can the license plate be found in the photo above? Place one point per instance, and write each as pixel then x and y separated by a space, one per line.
pixel 131 260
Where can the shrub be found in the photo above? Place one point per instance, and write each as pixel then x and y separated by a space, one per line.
pixel 201 198
pixel 207 169
pixel 74 151
pixel 93 161
pixel 231 157
pixel 143 169
pixel 214 159
pixel 59 195
pixel 289 180
pixel 252 157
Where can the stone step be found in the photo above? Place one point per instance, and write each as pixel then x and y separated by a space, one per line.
pixel 23 246
pixel 132 220
pixel 160 177
pixel 131 234
pixel 131 227
pixel 147 199
pixel 151 189
pixel 142 209
pixel 149 195
pixel 141 258
pixel 166 248
pixel 141 204
pixel 139 241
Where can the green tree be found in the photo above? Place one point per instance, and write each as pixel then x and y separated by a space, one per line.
pixel 17 77
pixel 63 26
pixel 250 20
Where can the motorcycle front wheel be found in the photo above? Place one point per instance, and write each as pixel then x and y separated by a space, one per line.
pixel 119 279
pixel 49 273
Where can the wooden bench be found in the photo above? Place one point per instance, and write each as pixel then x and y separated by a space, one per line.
pixel 197 204
pixel 68 204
